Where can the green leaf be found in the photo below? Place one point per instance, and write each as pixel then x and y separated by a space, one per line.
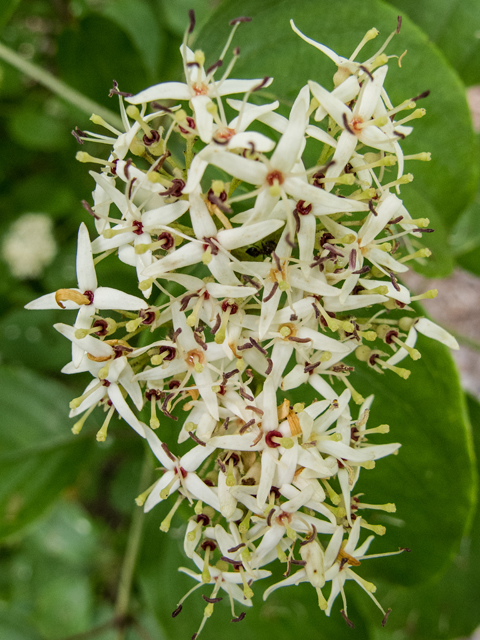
pixel 448 607
pixel 269 46
pixel 287 613
pixel 38 455
pixel 465 237
pixel 138 20
pixel 427 414
pixel 34 129
pixel 453 26
pixel 6 10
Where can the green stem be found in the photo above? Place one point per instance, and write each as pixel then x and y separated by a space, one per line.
pixel 60 88
pixel 133 547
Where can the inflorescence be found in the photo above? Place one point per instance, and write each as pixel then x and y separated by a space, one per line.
pixel 282 274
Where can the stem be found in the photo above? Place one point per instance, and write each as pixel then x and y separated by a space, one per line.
pixel 60 88
pixel 91 633
pixel 133 548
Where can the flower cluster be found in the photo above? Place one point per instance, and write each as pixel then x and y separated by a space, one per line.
pixel 263 282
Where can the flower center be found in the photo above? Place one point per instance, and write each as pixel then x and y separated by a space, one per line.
pixel 275 177
pixel 200 89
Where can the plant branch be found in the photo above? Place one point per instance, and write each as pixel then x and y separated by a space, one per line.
pixel 57 86
pixel 133 547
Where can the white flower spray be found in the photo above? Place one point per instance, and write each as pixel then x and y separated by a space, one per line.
pixel 285 271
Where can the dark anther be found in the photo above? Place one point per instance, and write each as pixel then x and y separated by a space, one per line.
pixel 424 230
pixel 256 410
pixel 113 167
pixel 89 295
pixel 222 467
pixel 176 333
pixel 153 138
pixel 239 19
pixel 393 280
pixel 209 544
pixel 245 395
pixel 404 549
pixel 293 317
pixel 89 209
pixel 214 66
pixel 399 24
pixel 302 208
pixel 191 15
pixel 177 611
pixel 325 238
pixel 235 563
pixel 272 292
pixel 165 404
pixel 114 91
pixel 396 220
pixel 219 202
pixel 216 326
pixel 258 347
pixel 210 243
pixel 239 618
pixel 289 241
pixel 106 383
pixel 126 170
pixel 160 107
pixel 262 84
pixel 333 250
pixel 309 368
pixel 147 315
pixel 310 538
pixel 372 208
pixel 236 51
pixel 269 517
pixel 199 341
pixel 247 425
pixel 130 186
pixel 239 546
pixel 302 563
pixel 197 440
pixel 384 621
pixel 277 261
pixel 153 393
pixel 300 340
pixel 228 375
pixel 191 124
pixel 269 439
pixel 211 600
pixel 349 622
pixel 252 282
pixel 247 345
pixel 168 241
pixel 352 259
pixel 233 306
pixel 137 227
pixel 399 135
pixel 366 71
pixel 365 269
pixel 168 452
pixel 347 125
pixel 296 217
pixel 76 133
pixel 423 95
pixel 171 353
pixel 102 327
pixel 175 190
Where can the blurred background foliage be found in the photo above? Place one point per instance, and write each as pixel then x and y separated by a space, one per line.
pixel 68 522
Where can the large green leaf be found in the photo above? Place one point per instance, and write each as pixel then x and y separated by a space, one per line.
pixel 427 414
pixel 38 454
pixel 6 10
pixel 448 607
pixel 269 46
pixel 453 26
pixel 137 18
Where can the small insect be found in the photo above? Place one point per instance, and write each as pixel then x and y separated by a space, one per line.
pixel 264 249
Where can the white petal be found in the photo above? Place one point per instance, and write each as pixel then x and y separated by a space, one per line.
pixel 162 91
pixel 203 117
pixel 107 298
pixel 87 279
pixel 432 330
pixel 241 168
pixel 291 142
pixel 247 234
pixel 202 222
pixel 89 344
